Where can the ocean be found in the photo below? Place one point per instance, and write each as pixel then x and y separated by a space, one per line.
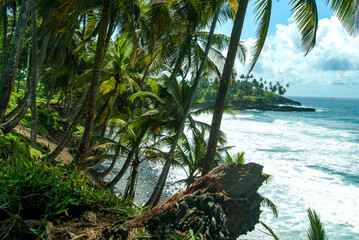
pixel 313 158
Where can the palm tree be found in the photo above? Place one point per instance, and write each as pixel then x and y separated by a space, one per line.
pixel 99 55
pixel 223 87
pixel 8 79
pixel 305 15
pixel 198 74
pixel 33 135
pixel 192 151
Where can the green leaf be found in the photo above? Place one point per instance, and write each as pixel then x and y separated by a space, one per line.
pixel 305 14
pixel 263 11
pixel 269 230
pixel 316 230
pixel 107 86
pixel 348 14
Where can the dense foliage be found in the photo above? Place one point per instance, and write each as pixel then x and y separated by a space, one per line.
pixel 243 87
pixel 121 76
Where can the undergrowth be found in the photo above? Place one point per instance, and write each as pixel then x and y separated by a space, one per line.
pixel 30 189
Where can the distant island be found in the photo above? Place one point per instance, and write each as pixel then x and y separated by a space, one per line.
pixel 247 93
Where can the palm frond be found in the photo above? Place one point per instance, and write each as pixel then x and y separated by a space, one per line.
pixel 145 94
pixel 106 146
pixel 305 14
pixel 268 203
pixel 271 232
pixel 242 52
pixel 263 11
pixel 316 230
pixel 348 14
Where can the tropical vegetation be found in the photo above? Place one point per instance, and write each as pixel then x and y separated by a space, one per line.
pixel 115 80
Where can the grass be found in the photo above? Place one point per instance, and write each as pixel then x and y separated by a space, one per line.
pixel 30 189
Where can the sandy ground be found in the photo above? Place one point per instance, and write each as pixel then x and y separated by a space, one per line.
pixel 65 155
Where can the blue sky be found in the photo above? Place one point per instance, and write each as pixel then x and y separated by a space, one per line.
pixel 330 70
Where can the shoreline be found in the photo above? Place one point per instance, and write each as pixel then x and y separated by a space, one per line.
pixel 277 104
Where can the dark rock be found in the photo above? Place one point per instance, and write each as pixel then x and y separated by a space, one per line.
pixel 277 103
pixel 221 205
pixel 283 100
pixel 287 109
pixel 118 231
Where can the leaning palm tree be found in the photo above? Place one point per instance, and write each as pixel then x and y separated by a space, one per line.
pixel 99 56
pixel 198 74
pixel 7 81
pixel 305 15
pixel 223 87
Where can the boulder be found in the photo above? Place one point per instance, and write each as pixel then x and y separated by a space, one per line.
pixel 220 205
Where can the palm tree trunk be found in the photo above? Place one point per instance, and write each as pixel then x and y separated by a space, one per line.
pixel 161 181
pixel 54 153
pixel 78 108
pixel 125 166
pixel 53 81
pixel 10 125
pixel 33 133
pixel 27 67
pixel 99 56
pixel 8 80
pixel 223 87
pixel 181 55
pixel 110 32
pixel 73 103
pixel 18 108
pixel 130 193
pixel 42 54
pixel 4 43
pixel 113 163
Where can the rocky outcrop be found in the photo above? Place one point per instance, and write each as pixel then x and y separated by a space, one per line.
pixel 220 205
pixel 283 100
pixel 283 108
pixel 277 103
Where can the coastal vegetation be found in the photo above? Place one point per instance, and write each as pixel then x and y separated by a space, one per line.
pixel 116 81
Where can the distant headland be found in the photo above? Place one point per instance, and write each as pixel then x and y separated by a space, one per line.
pixel 272 103
pixel 246 93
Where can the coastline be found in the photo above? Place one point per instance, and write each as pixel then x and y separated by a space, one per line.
pixel 277 103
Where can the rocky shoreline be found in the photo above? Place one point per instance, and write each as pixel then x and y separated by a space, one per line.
pixel 277 103
pixel 223 204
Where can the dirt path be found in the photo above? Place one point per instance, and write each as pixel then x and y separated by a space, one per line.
pixel 65 155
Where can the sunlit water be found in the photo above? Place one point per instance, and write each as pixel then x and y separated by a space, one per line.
pixel 314 161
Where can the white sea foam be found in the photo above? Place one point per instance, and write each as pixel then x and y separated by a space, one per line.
pixel 244 116
pixel 312 167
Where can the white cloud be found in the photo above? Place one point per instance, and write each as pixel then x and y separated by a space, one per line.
pixel 330 69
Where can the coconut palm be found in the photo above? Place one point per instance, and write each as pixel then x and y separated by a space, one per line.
pixel 8 79
pixel 198 73
pixel 304 14
pixel 223 87
pixel 191 152
pixel 100 53
pixel 33 135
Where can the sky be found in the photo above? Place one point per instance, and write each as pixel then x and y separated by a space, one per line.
pixel 331 69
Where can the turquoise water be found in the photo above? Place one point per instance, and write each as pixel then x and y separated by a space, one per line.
pixel 314 160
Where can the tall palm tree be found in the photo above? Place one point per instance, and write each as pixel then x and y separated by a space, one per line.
pixel 8 79
pixel 198 74
pixel 99 56
pixel 305 15
pixel 223 87
pixel 33 135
